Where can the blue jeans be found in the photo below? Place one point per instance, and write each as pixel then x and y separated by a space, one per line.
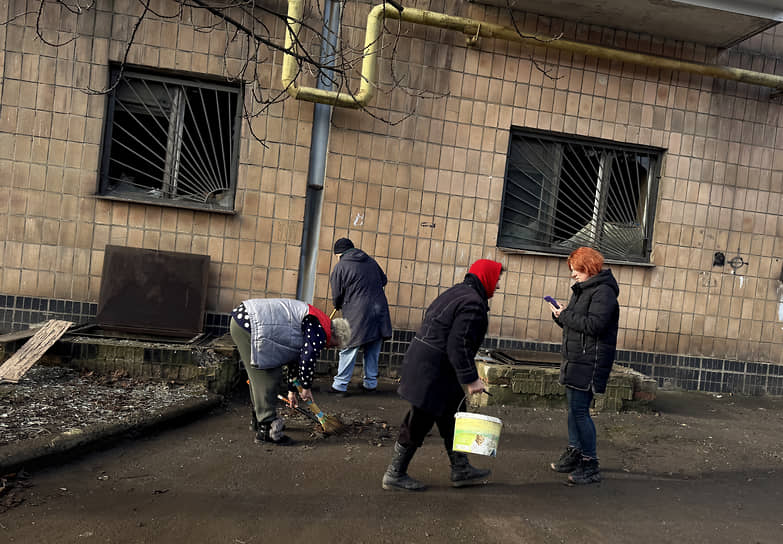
pixel 581 429
pixel 348 359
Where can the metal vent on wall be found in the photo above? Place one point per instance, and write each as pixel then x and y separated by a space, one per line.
pixel 562 193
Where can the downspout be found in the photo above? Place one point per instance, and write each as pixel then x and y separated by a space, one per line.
pixel 319 146
pixel 474 29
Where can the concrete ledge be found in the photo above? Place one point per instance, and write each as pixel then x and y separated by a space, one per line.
pixel 528 385
pixel 214 364
pixel 39 452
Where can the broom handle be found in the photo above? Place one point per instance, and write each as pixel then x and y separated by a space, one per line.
pixel 311 404
pixel 303 412
pixel 331 315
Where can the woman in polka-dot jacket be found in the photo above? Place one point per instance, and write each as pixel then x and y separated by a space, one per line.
pixel 273 332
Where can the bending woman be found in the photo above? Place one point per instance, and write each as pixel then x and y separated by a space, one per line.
pixel 270 333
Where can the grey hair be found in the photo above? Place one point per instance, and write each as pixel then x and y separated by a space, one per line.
pixel 341 332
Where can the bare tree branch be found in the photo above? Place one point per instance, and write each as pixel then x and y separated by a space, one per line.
pixel 247 29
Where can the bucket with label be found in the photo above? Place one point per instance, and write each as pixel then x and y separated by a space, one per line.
pixel 476 433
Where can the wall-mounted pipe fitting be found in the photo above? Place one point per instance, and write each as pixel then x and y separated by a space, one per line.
pixel 472 30
pixel 369 74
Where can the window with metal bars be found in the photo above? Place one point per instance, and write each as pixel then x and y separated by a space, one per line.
pixel 171 141
pixel 562 192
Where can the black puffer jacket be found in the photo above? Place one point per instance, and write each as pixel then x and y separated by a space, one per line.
pixel 589 325
pixel 357 289
pixel 441 356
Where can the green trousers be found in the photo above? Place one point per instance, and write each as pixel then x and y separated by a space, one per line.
pixel 264 383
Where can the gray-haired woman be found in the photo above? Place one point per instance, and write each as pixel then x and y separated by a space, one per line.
pixel 271 333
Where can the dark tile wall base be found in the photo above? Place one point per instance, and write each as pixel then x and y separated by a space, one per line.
pixel 18 313
pixel 671 371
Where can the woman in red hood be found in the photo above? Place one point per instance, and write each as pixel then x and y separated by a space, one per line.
pixel 438 364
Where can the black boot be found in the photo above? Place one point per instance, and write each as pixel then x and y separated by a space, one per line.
pixel 568 461
pixel 463 473
pixel 253 422
pixel 586 473
pixel 396 475
pixel 265 435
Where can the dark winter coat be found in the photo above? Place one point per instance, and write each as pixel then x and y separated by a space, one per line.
pixel 357 289
pixel 589 325
pixel 441 356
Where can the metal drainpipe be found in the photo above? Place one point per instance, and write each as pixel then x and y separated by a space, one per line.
pixel 319 147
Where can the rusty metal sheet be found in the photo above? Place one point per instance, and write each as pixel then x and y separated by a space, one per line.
pixel 152 291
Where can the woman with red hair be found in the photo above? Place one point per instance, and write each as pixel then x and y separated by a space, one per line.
pixel 589 324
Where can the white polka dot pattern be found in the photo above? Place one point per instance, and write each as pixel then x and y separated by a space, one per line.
pixel 240 315
pixel 315 340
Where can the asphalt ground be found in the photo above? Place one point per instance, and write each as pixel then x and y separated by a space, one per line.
pixel 702 468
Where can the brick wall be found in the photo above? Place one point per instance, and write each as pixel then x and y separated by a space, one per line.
pixel 422 194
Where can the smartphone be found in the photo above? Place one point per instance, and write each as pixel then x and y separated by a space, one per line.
pixel 551 301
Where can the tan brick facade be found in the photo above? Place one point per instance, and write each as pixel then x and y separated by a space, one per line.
pixel 422 195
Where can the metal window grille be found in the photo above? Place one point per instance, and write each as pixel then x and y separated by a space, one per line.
pixel 172 141
pixel 564 192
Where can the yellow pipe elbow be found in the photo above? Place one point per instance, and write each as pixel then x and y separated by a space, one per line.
pixel 369 71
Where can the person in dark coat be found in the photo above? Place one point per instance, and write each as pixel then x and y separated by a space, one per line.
pixel 439 363
pixel 357 289
pixel 589 323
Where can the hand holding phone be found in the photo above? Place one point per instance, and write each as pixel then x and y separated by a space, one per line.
pixel 552 301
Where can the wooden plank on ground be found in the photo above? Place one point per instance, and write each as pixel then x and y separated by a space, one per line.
pixel 21 361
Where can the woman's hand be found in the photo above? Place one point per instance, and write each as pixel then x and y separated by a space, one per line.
pixel 292 400
pixel 306 395
pixel 556 311
pixel 476 387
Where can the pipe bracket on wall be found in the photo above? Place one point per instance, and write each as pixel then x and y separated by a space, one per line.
pixel 736 263
pixel 473 40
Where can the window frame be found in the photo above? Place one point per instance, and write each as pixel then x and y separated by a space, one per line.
pixel 180 79
pixel 557 140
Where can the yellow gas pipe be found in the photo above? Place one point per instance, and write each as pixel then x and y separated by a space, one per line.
pixel 473 29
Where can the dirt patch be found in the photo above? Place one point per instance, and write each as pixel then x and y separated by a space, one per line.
pixel 49 400
pixel 700 469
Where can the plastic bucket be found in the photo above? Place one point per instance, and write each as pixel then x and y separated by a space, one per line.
pixel 476 433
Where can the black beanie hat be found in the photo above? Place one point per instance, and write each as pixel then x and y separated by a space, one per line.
pixel 342 245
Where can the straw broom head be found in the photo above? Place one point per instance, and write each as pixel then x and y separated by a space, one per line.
pixel 330 423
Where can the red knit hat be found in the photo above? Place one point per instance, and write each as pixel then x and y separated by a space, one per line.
pixel 488 272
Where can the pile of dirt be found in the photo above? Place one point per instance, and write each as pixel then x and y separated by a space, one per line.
pixel 355 426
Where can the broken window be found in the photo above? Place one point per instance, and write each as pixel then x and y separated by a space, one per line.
pixel 171 140
pixel 564 192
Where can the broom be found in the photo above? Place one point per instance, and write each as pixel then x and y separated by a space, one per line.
pixel 330 424
pixel 308 415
